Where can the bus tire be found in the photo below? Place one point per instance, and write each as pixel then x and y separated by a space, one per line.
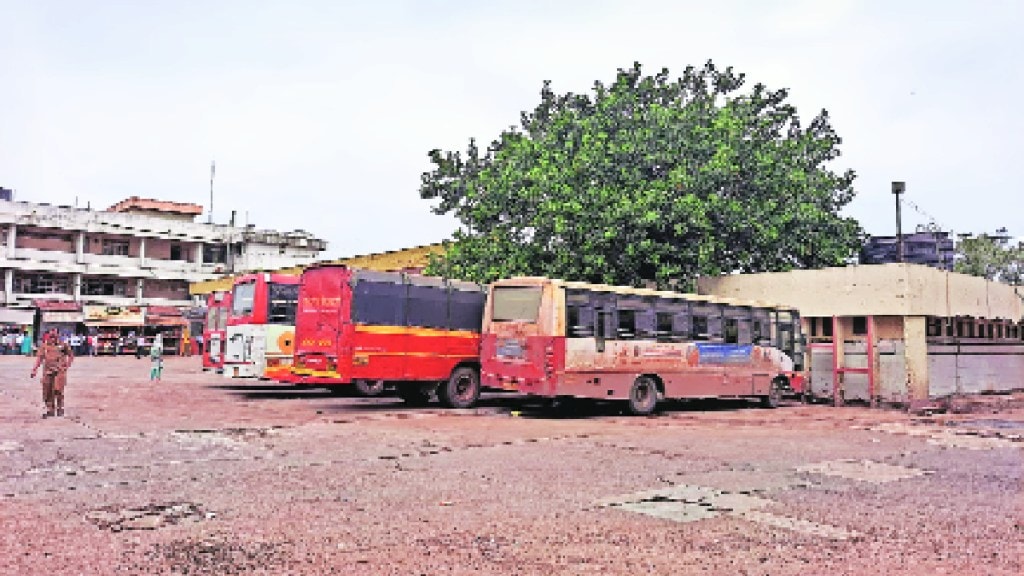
pixel 369 387
pixel 643 396
pixel 414 393
pixel 462 389
pixel 774 394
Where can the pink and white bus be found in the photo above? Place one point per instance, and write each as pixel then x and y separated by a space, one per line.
pixel 557 339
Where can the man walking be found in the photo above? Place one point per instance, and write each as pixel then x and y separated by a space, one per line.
pixel 55 357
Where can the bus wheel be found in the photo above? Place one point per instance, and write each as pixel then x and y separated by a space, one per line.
pixel 462 389
pixel 643 396
pixel 774 395
pixel 369 387
pixel 414 394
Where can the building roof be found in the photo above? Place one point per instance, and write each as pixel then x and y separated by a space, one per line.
pixel 135 203
pixel 875 290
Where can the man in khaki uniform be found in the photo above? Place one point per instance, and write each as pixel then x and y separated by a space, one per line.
pixel 55 357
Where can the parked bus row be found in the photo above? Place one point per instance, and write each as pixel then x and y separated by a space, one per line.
pixel 343 328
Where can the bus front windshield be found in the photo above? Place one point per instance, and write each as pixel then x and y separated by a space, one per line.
pixel 242 299
pixel 515 303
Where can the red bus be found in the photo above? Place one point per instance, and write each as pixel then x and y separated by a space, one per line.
pixel 261 326
pixel 553 339
pixel 218 306
pixel 370 329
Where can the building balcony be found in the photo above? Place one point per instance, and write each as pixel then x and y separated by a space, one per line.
pixel 105 265
pixel 27 299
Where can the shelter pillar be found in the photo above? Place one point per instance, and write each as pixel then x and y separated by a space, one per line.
pixel 9 285
pixel 12 236
pixel 916 357
pixel 80 247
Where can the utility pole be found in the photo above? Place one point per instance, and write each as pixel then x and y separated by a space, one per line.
pixel 213 172
pixel 897 189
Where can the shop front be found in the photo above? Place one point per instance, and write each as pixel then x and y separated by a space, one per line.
pixel 170 324
pixel 117 328
pixel 63 316
pixel 15 326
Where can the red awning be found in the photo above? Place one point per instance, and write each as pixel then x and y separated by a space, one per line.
pixel 57 305
pixel 165 321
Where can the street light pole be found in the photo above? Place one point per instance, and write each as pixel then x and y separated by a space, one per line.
pixel 897 189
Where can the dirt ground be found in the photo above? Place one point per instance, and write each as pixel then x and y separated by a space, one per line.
pixel 203 475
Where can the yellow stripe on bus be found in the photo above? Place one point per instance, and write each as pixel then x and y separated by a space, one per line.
pixel 415 331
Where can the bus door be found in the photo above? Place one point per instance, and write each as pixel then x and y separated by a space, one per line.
pixel 605 327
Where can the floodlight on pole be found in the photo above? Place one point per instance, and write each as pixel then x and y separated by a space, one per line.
pixel 897 189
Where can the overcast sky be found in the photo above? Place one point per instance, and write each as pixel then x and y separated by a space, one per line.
pixel 319 114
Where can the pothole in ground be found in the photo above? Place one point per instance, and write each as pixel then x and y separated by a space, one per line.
pixel 863 470
pixel 688 503
pixel 149 517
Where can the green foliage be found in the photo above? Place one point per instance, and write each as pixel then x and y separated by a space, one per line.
pixel 647 179
pixel 992 258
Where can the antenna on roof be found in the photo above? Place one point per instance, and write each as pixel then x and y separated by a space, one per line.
pixel 213 172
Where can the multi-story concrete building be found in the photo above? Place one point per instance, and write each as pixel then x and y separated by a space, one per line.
pixel 138 252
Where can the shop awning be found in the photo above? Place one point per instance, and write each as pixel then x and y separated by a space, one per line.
pixel 166 321
pixel 114 315
pixel 19 316
pixel 58 317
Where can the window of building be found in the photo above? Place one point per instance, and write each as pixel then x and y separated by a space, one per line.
pixel 41 284
pixel 177 252
pixel 215 253
pixel 860 325
pixel 104 287
pixel 826 327
pixel 114 247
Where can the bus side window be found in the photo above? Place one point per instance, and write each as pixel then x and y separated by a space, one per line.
pixel 579 321
pixel 716 325
pixel 428 307
pixel 646 322
pixel 379 303
pixel 663 327
pixel 466 309
pixel 699 328
pixel 626 325
pixel 579 314
pixel 731 331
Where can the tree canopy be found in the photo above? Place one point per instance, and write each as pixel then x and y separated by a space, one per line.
pixel 991 257
pixel 647 179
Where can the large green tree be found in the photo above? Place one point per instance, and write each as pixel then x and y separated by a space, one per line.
pixel 991 257
pixel 648 178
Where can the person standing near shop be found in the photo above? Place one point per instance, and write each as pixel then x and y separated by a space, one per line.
pixel 55 357
pixel 24 341
pixel 156 351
